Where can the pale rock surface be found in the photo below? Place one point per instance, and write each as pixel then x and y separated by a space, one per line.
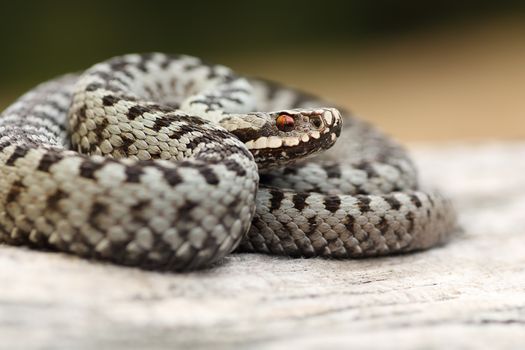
pixel 469 293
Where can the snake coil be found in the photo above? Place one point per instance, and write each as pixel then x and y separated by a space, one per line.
pixel 154 160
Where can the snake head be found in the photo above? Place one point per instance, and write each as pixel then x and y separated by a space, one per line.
pixel 283 137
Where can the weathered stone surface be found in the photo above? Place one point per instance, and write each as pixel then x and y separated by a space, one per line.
pixel 469 293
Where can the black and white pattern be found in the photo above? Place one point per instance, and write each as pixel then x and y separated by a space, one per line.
pixel 153 160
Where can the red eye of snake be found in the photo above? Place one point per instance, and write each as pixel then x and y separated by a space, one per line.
pixel 285 123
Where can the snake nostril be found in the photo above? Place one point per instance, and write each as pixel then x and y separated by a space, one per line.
pixel 316 121
pixel 285 123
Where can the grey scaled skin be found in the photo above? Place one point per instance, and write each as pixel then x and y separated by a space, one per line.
pixel 153 160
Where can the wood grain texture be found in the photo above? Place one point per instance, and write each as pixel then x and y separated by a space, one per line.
pixel 469 293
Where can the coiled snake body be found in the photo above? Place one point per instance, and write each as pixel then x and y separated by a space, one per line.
pixel 153 160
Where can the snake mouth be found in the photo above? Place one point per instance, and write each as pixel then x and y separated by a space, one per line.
pixel 291 151
pixel 275 142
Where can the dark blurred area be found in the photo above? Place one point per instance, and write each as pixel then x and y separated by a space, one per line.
pixel 290 41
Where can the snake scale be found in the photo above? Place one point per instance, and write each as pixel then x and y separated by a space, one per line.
pixel 166 162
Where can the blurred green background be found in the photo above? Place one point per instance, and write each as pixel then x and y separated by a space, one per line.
pixel 424 70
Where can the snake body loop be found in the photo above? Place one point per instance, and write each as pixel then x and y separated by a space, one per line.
pixel 154 161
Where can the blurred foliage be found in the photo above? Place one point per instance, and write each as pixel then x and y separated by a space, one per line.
pixel 45 38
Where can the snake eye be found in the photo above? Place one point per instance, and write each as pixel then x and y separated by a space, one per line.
pixel 285 123
pixel 316 121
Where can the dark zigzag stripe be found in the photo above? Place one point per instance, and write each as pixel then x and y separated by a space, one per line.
pixel 48 159
pixel 277 197
pixel 332 203
pixel 19 152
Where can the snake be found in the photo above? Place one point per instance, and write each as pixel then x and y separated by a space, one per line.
pixel 167 162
